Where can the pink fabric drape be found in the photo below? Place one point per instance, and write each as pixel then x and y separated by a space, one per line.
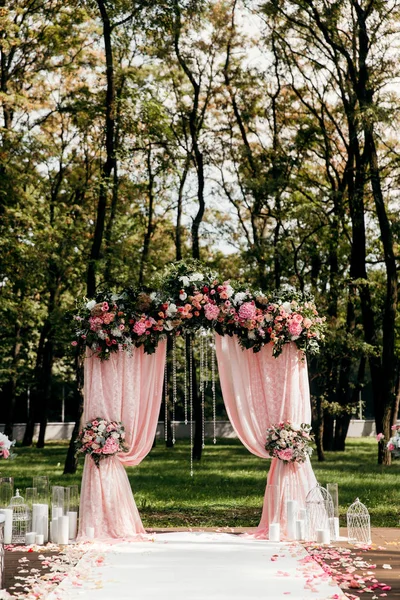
pixel 260 390
pixel 127 388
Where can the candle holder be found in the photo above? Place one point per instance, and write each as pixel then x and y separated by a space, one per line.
pixel 358 524
pixel 332 489
pixel 73 511
pixel 41 483
pixel 319 507
pixel 6 491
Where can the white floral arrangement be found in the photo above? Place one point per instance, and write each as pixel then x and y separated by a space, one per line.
pixel 5 447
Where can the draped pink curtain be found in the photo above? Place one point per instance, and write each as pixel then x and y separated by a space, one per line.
pixel 259 391
pixel 127 388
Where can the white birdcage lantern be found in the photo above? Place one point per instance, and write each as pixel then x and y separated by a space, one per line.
pixel 21 519
pixel 358 524
pixel 320 512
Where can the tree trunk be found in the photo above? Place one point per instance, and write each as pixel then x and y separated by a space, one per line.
pixel 150 213
pixel 71 461
pixel 12 384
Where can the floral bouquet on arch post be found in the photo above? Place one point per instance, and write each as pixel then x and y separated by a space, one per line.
pixel 100 439
pixel 289 442
pixel 5 447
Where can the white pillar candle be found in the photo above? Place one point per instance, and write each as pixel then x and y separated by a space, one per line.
pixel 90 533
pixel 44 523
pixel 274 532
pixel 8 513
pixel 302 515
pixel 73 524
pixel 291 508
pixel 323 536
pixel 300 529
pixel 334 527
pixel 63 530
pixel 30 538
pixel 39 539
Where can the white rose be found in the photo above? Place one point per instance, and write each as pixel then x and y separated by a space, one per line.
pixel 171 310
pixel 101 335
pixel 287 307
pixel 185 280
pixel 251 335
pixel 91 304
pixel 229 291
pixel 268 317
pixel 168 326
pixel 183 296
pixel 101 427
pixel 239 297
pixel 153 295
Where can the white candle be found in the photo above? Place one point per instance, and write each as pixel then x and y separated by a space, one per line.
pixel 302 514
pixel 334 527
pixel 73 524
pixel 323 536
pixel 274 532
pixel 291 508
pixel 63 529
pixel 90 533
pixel 8 513
pixel 39 539
pixel 44 511
pixel 56 511
pixel 30 538
pixel 300 529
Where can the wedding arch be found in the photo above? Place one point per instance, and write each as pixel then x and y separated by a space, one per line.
pixel 261 341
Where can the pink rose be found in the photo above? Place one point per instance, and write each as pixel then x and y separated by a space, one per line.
pixel 139 328
pixel 247 311
pixel 111 446
pixel 296 317
pixel 379 437
pixel 390 446
pixel 74 343
pixel 307 323
pixel 104 306
pixel 211 311
pixel 286 454
pixel 6 453
pixel 294 328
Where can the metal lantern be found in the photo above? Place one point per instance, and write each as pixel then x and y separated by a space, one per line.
pixel 21 519
pixel 358 524
pixel 2 523
pixel 320 512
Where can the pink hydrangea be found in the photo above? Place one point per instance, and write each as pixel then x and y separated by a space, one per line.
pixel 211 311
pixel 111 446
pixel 294 328
pixel 286 454
pixel 139 328
pixel 247 311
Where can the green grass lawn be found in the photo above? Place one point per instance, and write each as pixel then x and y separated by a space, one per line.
pixel 228 485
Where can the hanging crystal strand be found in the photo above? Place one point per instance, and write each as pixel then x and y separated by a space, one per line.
pixel 202 389
pixel 185 383
pixel 213 389
pixel 166 400
pixel 206 358
pixel 191 402
pixel 174 387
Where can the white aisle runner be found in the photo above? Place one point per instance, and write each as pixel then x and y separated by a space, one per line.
pixel 197 566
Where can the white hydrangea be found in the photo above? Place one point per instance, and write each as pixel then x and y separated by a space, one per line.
pixel 251 335
pixel 101 335
pixel 196 277
pixel 116 332
pixel 115 297
pixel 91 304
